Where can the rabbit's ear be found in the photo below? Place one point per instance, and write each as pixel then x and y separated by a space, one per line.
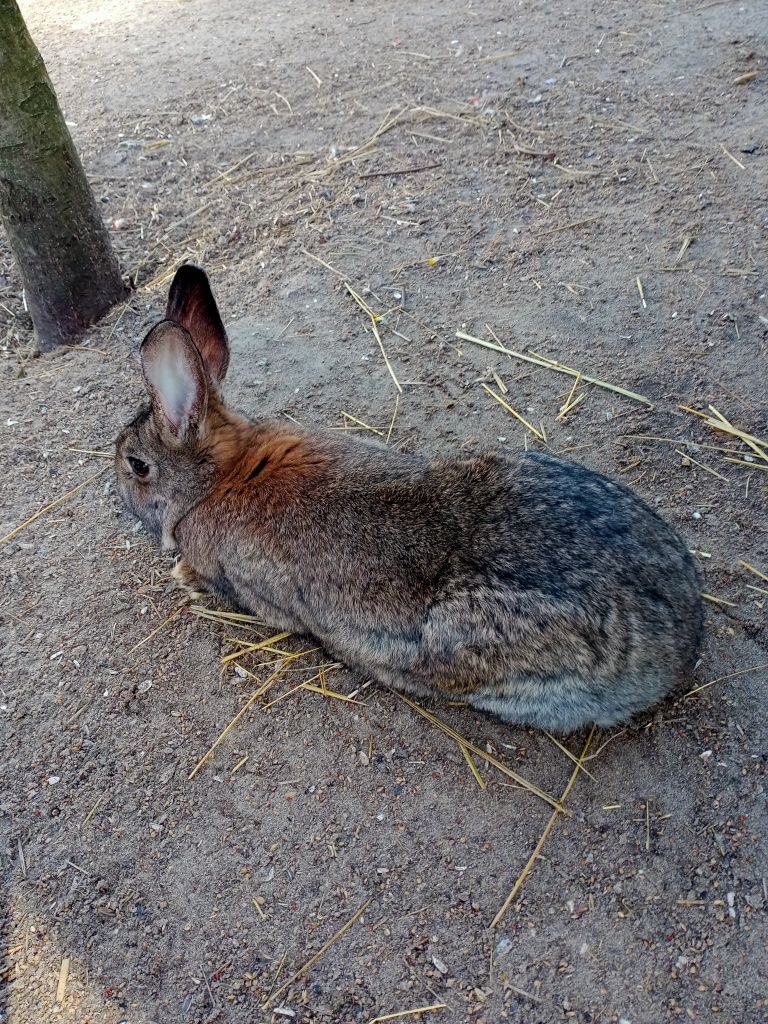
pixel 192 305
pixel 175 378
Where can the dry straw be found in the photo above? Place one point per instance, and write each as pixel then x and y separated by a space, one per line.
pixel 549 826
pixel 53 504
pixel 318 955
pixel 399 1014
pixel 553 364
pixel 466 745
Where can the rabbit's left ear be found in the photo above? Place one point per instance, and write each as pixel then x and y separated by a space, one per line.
pixel 175 377
pixel 191 305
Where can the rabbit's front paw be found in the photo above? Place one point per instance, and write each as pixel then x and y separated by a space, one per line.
pixel 187 579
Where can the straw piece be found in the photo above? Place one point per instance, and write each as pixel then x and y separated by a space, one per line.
pixel 707 469
pixel 162 625
pixel 473 767
pixel 220 616
pixel 392 421
pixel 720 679
pixel 679 440
pixel 750 465
pixel 718 600
pixel 318 955
pixel 539 846
pixel 574 172
pixel 755 443
pixel 362 423
pixel 571 224
pixel 245 708
pixel 249 648
pixel 551 364
pixel 325 692
pixel 732 157
pixel 409 1013
pixel 536 433
pixel 53 504
pixel 61 987
pixel 718 422
pixel 478 751
pixel 752 569
pixel 568 754
pixel 322 262
pixel 375 317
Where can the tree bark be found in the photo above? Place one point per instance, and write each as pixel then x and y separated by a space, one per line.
pixel 56 234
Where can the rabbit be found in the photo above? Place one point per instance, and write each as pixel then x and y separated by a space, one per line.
pixel 525 586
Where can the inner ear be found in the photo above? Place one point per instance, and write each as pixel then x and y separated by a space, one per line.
pixel 191 305
pixel 175 378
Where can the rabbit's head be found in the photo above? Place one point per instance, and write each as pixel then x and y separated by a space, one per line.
pixel 165 459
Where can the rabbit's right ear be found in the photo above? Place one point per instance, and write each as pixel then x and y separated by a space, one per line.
pixel 191 305
pixel 175 378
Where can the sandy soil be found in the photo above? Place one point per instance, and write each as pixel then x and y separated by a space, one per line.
pixel 544 157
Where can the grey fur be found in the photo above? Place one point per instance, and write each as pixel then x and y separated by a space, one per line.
pixel 530 587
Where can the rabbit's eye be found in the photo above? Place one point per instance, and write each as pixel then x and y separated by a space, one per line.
pixel 140 468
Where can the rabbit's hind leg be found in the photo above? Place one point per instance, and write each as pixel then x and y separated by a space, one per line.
pixel 561 704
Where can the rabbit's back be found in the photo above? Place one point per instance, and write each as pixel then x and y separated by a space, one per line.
pixel 529 586
pixel 573 601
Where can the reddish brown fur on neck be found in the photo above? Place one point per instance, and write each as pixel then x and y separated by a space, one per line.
pixel 243 451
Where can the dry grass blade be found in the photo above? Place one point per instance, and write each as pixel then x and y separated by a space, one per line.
pixel 732 157
pixel 707 469
pixel 162 625
pixel 679 440
pixel 718 600
pixel 260 646
pixel 478 751
pixel 243 710
pixel 536 433
pixel 392 421
pixel 549 826
pixel 375 318
pixel 571 402
pixel 318 955
pixel 52 505
pixel 226 617
pixel 323 263
pixel 325 692
pixel 749 465
pixel 61 987
pixel 473 767
pixel 362 423
pixel 751 568
pixel 721 679
pixel 571 224
pixel 551 364
pixel 718 422
pixel 568 754
pixel 757 445
pixel 408 1013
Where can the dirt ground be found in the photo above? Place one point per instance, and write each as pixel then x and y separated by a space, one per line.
pixel 533 163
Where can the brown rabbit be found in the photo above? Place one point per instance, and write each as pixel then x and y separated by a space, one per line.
pixel 527 586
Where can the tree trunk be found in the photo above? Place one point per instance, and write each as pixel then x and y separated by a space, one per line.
pixel 70 274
